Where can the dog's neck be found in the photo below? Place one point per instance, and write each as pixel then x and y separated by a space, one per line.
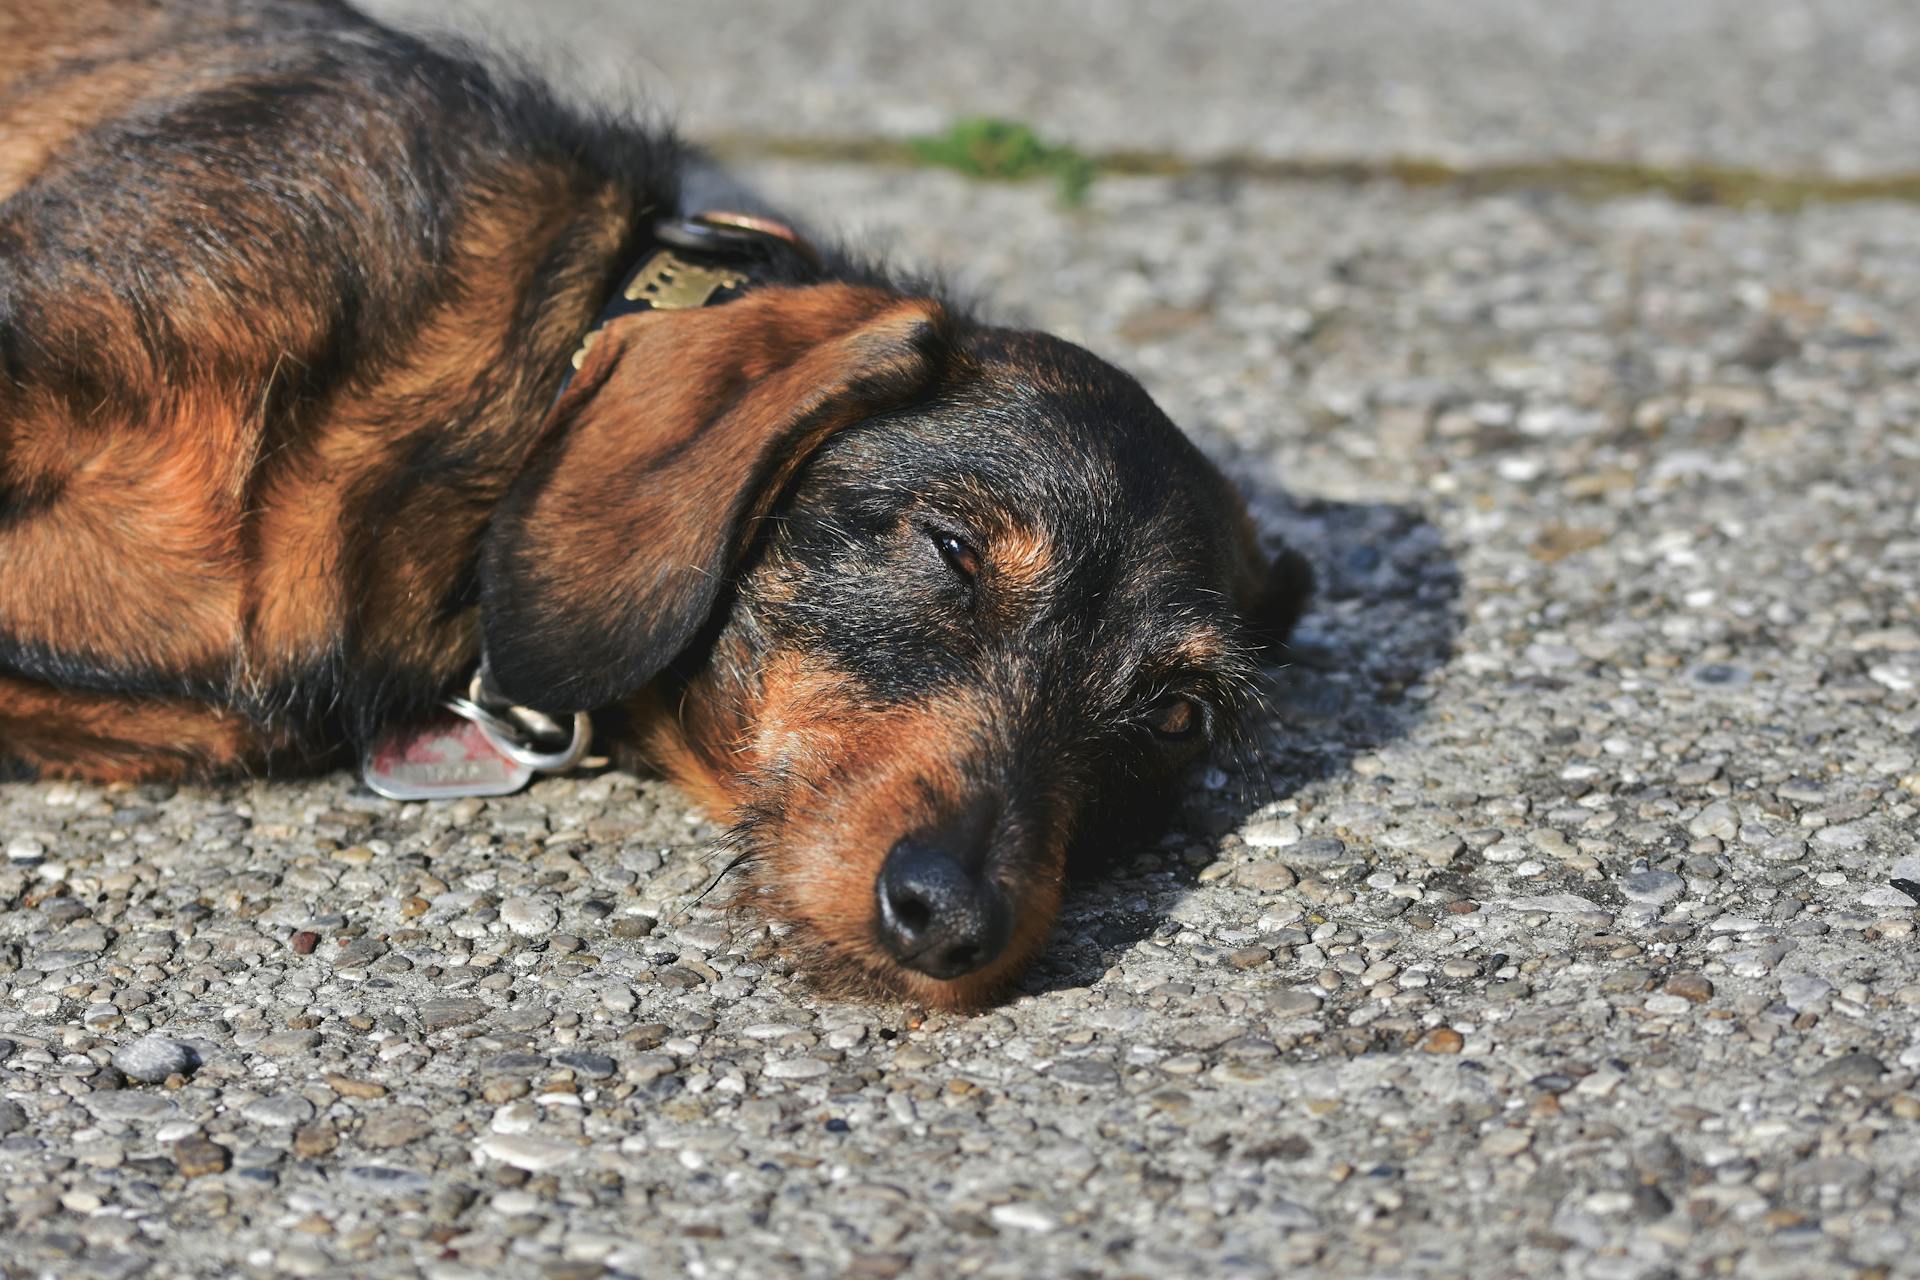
pixel 689 263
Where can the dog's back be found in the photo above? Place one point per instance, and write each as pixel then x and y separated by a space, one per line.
pixel 283 296
pixel 68 65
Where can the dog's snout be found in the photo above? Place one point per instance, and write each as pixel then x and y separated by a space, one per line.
pixel 938 916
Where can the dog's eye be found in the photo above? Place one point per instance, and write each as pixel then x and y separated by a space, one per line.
pixel 960 557
pixel 1175 717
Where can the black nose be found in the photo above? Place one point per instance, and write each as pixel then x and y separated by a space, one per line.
pixel 936 916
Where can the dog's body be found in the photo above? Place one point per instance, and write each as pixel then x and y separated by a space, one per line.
pixel 285 303
pixel 284 299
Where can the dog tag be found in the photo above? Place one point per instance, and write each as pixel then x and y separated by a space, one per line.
pixel 444 759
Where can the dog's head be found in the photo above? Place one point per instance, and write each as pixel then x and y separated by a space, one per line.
pixel 920 603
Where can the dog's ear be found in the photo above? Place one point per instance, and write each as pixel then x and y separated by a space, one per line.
pixel 1279 601
pixel 1272 594
pixel 612 548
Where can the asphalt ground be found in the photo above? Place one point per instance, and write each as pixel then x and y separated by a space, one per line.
pixel 1556 931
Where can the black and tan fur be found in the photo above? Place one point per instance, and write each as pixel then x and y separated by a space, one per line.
pixel 285 298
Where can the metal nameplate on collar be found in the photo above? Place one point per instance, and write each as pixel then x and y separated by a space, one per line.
pixel 474 751
pixel 447 758
pixel 669 282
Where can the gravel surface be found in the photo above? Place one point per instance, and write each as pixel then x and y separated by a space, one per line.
pixel 1553 935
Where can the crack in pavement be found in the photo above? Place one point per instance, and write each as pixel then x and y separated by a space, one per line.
pixel 1694 184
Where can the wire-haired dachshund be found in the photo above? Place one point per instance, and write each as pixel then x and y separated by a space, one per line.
pixel 344 378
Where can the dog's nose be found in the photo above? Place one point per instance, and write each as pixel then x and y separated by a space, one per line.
pixel 937 916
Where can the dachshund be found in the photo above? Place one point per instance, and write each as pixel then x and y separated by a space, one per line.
pixel 300 442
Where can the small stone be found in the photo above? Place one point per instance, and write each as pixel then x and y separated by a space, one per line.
pixel 197 1157
pixel 1266 877
pixel 386 1180
pixel 1689 986
pixel 524 1151
pixel 1321 851
pixel 846 1037
pixel 450 1011
pixel 1717 819
pixel 1553 904
pixel 348 1087
pixel 797 1069
pixel 1024 1217
pixel 285 1044
pixel 505 1089
pixel 151 1059
pixel 1655 888
pixel 1837 1173
pixel 12 1117
pixel 281 1111
pixel 589 1066
pixel 1629 979
pixel 129 1104
pixel 703 937
pixel 1086 1073
pixel 1785 849
pixel 1803 991
pixel 1249 957
pixel 1292 1004
pixel 62 958
pixel 1650 1203
pixel 630 927
pixel 1273 833
pixel 304 942
pixel 529 917
pixel 1853 1068
pixel 394 1127
pixel 1442 1040
pixel 1505 1142
pixel 316 1139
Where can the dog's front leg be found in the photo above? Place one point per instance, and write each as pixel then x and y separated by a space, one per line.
pixel 107 737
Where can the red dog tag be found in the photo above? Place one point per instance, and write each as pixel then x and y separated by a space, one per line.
pixel 444 759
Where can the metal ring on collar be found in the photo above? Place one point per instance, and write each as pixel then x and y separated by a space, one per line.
pixel 724 231
pixel 506 737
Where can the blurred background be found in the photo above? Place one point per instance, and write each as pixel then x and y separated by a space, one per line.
pixel 1800 85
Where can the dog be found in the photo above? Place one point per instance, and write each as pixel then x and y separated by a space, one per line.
pixel 300 441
